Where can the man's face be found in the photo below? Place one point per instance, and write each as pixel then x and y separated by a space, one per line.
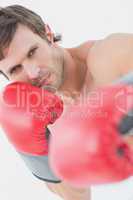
pixel 30 58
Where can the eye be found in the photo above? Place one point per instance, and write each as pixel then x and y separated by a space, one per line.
pixel 15 69
pixel 32 52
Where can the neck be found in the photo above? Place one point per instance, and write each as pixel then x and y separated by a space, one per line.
pixel 74 74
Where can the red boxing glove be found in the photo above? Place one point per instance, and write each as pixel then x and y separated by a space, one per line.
pixel 90 139
pixel 25 112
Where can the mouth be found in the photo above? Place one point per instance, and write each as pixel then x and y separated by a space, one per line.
pixel 44 81
pixel 46 84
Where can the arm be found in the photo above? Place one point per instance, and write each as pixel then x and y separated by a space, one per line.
pixel 67 192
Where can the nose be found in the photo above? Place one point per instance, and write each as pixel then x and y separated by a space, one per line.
pixel 32 71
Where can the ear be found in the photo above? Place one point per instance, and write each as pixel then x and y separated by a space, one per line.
pixel 49 33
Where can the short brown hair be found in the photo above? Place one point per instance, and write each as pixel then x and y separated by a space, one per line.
pixel 13 15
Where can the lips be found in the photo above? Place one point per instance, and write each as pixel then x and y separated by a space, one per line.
pixel 44 80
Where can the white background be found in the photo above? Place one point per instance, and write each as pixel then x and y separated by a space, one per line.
pixel 77 20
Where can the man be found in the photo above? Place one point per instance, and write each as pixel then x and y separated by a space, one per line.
pixel 29 52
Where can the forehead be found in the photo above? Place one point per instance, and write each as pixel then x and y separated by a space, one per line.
pixel 22 39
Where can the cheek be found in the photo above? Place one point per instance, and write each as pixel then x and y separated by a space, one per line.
pixel 57 72
pixel 41 58
pixel 20 77
pixel 43 55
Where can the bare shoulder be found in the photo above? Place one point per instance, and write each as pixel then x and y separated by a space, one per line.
pixel 84 48
pixel 120 36
pixel 114 43
pixel 68 192
pixel 81 51
pixel 111 57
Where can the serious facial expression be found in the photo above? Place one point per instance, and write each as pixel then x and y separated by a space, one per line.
pixel 32 59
